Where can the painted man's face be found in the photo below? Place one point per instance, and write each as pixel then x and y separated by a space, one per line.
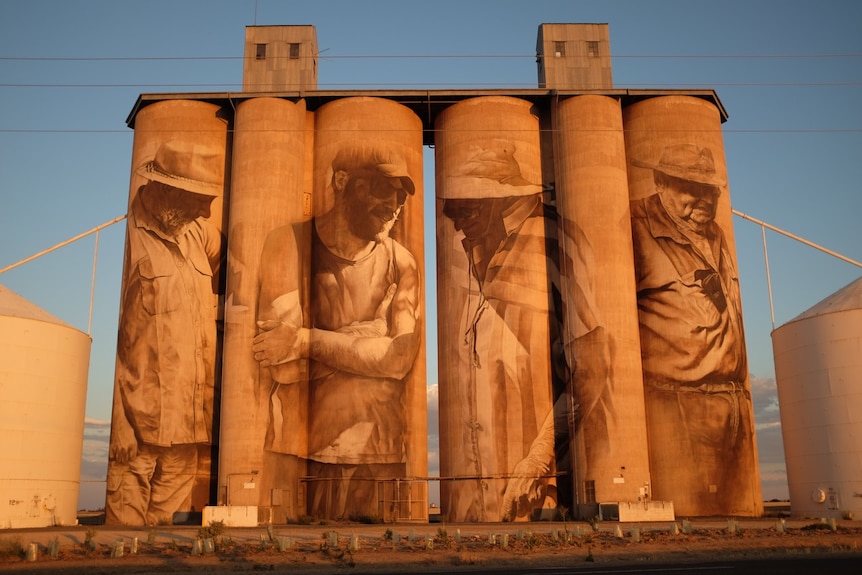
pixel 471 216
pixel 691 201
pixel 179 208
pixel 373 204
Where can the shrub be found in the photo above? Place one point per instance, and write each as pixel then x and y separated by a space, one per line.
pixel 817 527
pixel 11 548
pixel 365 518
pixel 211 531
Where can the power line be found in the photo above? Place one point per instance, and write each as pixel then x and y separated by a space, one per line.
pixel 235 85
pixel 836 55
pixel 784 131
pixel 423 85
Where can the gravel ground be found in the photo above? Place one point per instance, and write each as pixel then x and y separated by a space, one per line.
pixel 356 548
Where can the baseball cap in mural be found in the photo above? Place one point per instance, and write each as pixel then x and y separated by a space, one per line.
pixel 191 167
pixel 686 162
pixel 383 161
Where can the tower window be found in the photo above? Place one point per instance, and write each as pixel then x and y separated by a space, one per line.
pixel 294 51
pixel 559 49
pixel 593 48
pixel 260 51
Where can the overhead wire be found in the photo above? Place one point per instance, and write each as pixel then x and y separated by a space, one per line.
pixel 435 56
pixel 422 85
pixel 234 85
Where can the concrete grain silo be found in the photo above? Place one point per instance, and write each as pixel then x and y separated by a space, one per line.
pixel 43 389
pixel 818 370
pixel 593 191
pixel 700 419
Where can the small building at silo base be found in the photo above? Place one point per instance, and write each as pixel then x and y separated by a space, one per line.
pixel 818 370
pixel 43 390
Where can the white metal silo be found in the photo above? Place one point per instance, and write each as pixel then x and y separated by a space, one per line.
pixel 43 390
pixel 818 370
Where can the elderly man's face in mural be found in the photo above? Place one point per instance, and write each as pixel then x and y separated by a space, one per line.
pixel 689 201
pixel 174 208
pixel 471 216
pixel 372 203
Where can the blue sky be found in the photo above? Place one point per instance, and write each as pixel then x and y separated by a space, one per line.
pixel 788 72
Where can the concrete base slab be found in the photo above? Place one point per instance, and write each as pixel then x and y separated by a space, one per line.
pixel 231 516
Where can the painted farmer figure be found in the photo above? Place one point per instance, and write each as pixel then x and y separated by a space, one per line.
pixel 339 355
pixel 165 380
pixel 512 357
pixel 694 363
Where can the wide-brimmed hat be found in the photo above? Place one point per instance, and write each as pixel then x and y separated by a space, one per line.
pixel 489 172
pixel 686 162
pixel 191 167
pixel 376 159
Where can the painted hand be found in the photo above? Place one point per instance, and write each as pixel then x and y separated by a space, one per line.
pixel 124 445
pixel 524 488
pixel 279 342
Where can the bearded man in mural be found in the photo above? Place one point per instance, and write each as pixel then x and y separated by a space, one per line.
pixel 695 369
pixel 166 348
pixel 515 406
pixel 340 351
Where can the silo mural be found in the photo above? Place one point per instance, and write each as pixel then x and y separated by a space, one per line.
pixel 590 336
pixel 270 188
pixel 165 415
pixel 592 190
pixel 323 355
pixel 501 345
pixel 340 326
pixel 698 400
